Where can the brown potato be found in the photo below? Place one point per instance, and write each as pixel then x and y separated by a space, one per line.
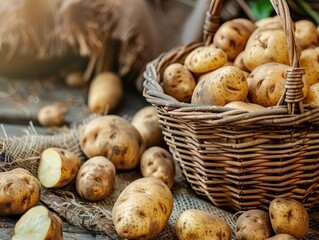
pixel 199 224
pixel 115 138
pixel 224 85
pixel 57 167
pixel 158 163
pixel 289 216
pixel 96 178
pixel 38 223
pixel 245 106
pixel 313 95
pixel 74 79
pixel 143 208
pixel 19 191
pixel 239 62
pixel 253 225
pixel 309 61
pixel 305 34
pixel 268 21
pixel 52 115
pixel 282 237
pixel 105 93
pixel 233 35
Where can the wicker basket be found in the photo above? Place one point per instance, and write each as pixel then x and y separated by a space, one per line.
pixel 240 160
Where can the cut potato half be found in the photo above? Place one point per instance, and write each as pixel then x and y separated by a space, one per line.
pixel 38 223
pixel 57 167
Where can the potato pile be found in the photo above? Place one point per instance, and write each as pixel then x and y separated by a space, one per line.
pixel 245 66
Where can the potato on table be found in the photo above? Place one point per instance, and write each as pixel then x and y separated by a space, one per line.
pixel 158 163
pixel 38 223
pixel 96 178
pixel 19 191
pixel 52 115
pixel 199 224
pixel 143 208
pixel 57 167
pixel 115 138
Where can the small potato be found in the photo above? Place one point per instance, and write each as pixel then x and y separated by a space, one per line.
pixel 143 208
pixel 233 35
pixel 221 86
pixel 305 34
pixel 253 225
pixel 282 237
pixel 199 224
pixel 38 223
pixel 19 191
pixel 204 59
pixel 147 123
pixel 289 216
pixel 57 167
pixel 309 61
pixel 313 95
pixel 74 79
pixel 245 106
pixel 105 93
pixel 115 138
pixel 96 178
pixel 268 21
pixel 239 62
pixel 158 163
pixel 52 115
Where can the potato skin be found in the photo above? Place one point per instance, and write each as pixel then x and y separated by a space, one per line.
pixel 115 138
pixel 147 123
pixel 199 224
pixel 143 208
pixel 253 225
pixel 313 95
pixel 96 178
pixel 158 163
pixel 289 216
pixel 19 191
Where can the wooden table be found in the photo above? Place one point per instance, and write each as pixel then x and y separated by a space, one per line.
pixel 20 100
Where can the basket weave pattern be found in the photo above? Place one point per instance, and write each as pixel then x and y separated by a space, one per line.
pixel 240 160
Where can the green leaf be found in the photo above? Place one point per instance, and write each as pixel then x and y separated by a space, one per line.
pixel 261 8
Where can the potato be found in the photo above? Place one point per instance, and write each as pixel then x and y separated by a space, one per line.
pixel 221 86
pixel 199 224
pixel 178 82
pixel 147 123
pixel 289 216
pixel 74 79
pixel 265 45
pixel 313 95
pixel 239 62
pixel 57 167
pixel 282 237
pixel 253 225
pixel 115 138
pixel 105 93
pixel 38 223
pixel 309 61
pixel 52 115
pixel 266 84
pixel 158 163
pixel 96 178
pixel 204 59
pixel 233 35
pixel 19 191
pixel 268 21
pixel 245 106
pixel 305 34
pixel 143 208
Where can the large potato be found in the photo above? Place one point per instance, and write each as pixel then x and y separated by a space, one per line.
pixel 265 45
pixel 115 138
pixel 253 225
pixel 289 216
pixel 142 209
pixel 52 115
pixel 309 61
pixel 305 34
pixel 204 59
pixel 105 93
pixel 178 82
pixel 38 223
pixel 19 191
pixel 147 123
pixel 96 178
pixel 199 224
pixel 158 163
pixel 57 167
pixel 224 85
pixel 233 35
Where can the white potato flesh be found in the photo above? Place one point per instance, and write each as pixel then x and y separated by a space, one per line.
pixel 49 170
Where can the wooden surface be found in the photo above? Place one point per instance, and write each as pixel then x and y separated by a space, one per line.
pixel 20 101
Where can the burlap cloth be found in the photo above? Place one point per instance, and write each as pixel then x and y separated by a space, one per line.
pixel 96 217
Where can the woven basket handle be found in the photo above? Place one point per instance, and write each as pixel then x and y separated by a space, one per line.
pixel 293 94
